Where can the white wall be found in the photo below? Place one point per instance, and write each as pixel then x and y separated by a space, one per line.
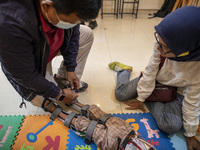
pixel 150 4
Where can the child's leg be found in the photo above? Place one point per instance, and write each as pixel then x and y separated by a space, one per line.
pixel 125 89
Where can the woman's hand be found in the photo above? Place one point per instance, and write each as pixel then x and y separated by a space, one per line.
pixel 73 80
pixel 135 105
pixel 193 143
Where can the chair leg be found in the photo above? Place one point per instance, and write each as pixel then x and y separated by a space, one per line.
pixel 137 9
pixel 133 10
pixel 101 9
pixel 117 9
pixel 122 9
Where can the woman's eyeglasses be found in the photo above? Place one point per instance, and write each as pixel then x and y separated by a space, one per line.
pixel 160 45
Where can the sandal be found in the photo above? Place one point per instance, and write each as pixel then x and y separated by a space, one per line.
pixel 62 82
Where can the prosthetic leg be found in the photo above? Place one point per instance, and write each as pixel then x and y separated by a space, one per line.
pixel 107 132
pixel 89 111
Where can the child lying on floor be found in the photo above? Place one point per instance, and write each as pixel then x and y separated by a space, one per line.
pixel 107 132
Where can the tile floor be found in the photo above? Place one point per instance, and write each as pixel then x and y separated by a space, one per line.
pixel 127 40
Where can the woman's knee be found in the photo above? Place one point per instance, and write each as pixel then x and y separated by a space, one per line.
pixel 170 126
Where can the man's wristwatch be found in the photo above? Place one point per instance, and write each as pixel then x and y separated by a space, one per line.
pixel 61 96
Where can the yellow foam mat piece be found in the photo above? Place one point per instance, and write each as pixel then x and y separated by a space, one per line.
pixel 52 136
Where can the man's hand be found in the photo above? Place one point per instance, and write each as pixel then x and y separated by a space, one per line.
pixel 73 80
pixel 70 96
pixel 135 105
pixel 193 143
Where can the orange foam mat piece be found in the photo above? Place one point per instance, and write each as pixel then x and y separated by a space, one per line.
pixel 40 132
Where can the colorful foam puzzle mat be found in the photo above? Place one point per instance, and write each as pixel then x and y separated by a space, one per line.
pixel 40 132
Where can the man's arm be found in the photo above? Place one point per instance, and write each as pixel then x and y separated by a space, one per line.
pixel 17 57
pixel 70 51
pixel 70 54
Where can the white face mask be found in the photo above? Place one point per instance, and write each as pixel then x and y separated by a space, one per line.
pixel 61 24
pixel 64 25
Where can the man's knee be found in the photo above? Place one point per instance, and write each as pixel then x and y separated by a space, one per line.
pixel 86 33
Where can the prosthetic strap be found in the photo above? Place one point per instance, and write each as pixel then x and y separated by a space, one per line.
pixel 82 110
pixel 56 112
pixel 92 126
pixel 89 132
pixel 69 119
pixel 104 118
pixel 48 106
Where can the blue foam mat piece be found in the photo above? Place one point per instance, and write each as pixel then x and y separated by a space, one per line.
pixel 179 140
pixel 77 143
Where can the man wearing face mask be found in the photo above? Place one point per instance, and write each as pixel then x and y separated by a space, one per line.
pixel 34 32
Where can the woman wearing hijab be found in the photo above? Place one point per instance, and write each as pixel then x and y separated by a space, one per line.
pixel 178 40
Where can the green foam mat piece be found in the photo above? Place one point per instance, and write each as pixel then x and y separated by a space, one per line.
pixel 9 127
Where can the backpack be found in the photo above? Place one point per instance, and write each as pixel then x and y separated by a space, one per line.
pixel 165 9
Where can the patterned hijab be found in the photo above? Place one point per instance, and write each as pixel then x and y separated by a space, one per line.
pixel 180 30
